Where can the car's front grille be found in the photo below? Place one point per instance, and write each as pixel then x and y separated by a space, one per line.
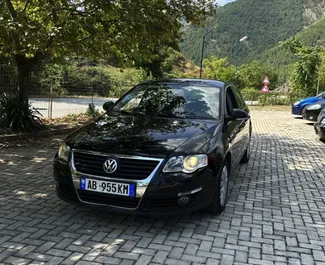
pixel 128 168
pixel 107 199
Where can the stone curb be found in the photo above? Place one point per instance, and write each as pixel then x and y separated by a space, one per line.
pixel 19 136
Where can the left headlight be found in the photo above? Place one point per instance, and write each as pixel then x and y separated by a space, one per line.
pixel 297 103
pixel 186 164
pixel 314 107
pixel 64 152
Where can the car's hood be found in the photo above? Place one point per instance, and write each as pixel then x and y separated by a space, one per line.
pixel 320 102
pixel 310 99
pixel 142 135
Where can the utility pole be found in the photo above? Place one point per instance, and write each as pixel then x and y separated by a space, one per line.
pixel 202 51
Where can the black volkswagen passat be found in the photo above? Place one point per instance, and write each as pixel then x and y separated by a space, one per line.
pixel 312 111
pixel 320 125
pixel 163 147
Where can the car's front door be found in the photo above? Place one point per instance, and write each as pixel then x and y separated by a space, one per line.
pixel 232 126
pixel 244 125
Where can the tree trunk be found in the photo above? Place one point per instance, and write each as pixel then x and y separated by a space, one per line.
pixel 24 67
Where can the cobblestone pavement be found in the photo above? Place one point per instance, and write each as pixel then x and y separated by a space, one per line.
pixel 275 213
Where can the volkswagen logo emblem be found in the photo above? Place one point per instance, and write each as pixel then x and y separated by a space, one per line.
pixel 110 166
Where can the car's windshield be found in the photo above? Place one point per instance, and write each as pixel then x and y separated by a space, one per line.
pixel 195 101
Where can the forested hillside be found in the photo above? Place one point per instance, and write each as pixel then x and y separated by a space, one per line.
pixel 313 35
pixel 265 22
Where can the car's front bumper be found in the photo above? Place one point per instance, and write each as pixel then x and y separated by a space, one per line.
pixel 295 110
pixel 311 115
pixel 160 198
pixel 320 130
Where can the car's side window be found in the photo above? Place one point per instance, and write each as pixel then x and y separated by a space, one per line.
pixel 240 101
pixel 231 102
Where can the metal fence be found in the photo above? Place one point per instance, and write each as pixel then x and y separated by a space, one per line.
pixel 54 97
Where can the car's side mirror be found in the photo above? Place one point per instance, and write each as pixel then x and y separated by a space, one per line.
pixel 238 114
pixel 108 105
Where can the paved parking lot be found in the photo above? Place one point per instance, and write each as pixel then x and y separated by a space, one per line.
pixel 275 213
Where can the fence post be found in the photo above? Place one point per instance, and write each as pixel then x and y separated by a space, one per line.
pixel 51 100
pixel 92 94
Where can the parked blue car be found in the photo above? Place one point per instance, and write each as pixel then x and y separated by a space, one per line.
pixel 300 106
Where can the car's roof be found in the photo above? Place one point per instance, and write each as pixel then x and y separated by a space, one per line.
pixel 187 80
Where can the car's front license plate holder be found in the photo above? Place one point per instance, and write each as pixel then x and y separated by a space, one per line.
pixel 108 187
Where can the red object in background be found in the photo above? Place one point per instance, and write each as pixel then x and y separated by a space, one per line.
pixel 266 80
pixel 265 89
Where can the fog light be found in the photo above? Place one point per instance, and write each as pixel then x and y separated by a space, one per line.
pixel 183 200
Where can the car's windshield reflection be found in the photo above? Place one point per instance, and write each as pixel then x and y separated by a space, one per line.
pixel 172 101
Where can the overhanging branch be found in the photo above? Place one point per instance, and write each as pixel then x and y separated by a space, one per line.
pixel 54 12
pixel 13 15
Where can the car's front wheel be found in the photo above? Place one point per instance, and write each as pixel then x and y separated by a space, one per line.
pixel 221 191
pixel 303 111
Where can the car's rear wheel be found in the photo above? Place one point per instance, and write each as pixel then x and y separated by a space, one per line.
pixel 220 195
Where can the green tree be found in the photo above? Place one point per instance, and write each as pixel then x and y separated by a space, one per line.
pixel 321 78
pixel 251 75
pixel 34 30
pixel 219 69
pixel 305 72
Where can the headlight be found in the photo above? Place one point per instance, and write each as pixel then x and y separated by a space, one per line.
pixel 314 107
pixel 64 152
pixel 322 122
pixel 297 103
pixel 186 164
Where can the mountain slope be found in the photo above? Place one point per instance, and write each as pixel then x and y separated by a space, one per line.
pixel 313 35
pixel 265 22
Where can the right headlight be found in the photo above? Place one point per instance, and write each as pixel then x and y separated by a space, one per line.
pixel 64 152
pixel 314 107
pixel 297 103
pixel 186 164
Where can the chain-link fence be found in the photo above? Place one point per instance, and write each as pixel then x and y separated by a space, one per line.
pixel 55 97
pixel 59 95
pixel 255 97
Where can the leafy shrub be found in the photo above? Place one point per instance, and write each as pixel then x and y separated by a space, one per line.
pixel 18 116
pixel 274 99
pixel 250 94
pixel 92 111
pixel 100 80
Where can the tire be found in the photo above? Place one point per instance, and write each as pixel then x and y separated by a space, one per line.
pixel 245 158
pixel 220 194
pixel 303 111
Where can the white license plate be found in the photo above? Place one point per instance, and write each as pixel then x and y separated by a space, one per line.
pixel 107 187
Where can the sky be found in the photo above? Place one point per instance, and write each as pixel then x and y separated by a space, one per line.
pixel 223 2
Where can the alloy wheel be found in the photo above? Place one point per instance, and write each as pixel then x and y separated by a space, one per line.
pixel 223 185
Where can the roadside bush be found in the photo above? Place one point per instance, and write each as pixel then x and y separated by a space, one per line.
pixel 17 116
pixel 274 99
pixel 250 94
pixel 91 111
pixel 100 80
